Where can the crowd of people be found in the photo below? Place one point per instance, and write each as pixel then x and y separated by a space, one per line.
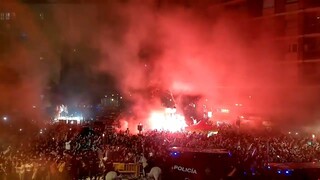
pixel 62 151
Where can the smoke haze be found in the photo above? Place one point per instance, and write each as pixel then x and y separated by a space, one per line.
pixel 214 53
pixel 23 73
pixel 210 51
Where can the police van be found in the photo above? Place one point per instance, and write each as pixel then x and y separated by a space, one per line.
pixel 197 163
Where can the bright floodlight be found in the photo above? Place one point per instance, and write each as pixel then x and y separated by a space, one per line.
pixel 225 110
pixel 5 118
pixel 70 118
pixel 167 120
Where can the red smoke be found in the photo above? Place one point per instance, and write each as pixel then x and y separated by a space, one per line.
pixel 184 52
pixel 197 50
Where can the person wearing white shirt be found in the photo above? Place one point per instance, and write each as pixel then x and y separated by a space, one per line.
pixel 143 161
pixel 28 170
pixel 67 145
pixel 20 170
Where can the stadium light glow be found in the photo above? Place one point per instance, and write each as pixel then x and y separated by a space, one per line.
pixel 167 120
pixel 225 110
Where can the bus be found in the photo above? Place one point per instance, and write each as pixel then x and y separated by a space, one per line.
pixel 198 163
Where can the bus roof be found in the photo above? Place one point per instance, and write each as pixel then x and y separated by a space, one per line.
pixel 199 150
pixel 307 165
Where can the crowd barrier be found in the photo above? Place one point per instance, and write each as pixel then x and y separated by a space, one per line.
pixel 127 168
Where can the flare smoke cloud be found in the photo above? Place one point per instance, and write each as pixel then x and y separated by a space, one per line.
pixel 208 52
pixel 199 49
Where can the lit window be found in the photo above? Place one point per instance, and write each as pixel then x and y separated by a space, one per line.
pixel 41 16
pixel 7 16
pixel 2 16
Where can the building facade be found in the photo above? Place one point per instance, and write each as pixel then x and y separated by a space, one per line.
pixel 297 29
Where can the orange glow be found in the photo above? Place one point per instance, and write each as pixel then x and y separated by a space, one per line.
pixel 162 120
pixel 225 110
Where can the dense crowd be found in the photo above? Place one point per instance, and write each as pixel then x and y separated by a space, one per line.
pixel 76 152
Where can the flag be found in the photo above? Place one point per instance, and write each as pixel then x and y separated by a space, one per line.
pixel 6 151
